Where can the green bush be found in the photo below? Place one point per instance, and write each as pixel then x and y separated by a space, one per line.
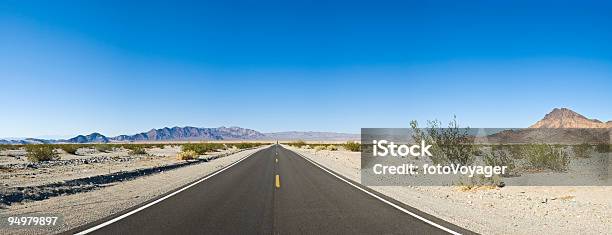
pixel 69 148
pixel 603 148
pixel 331 147
pixel 297 144
pixel 135 146
pixel 516 151
pixel 10 147
pixel 39 153
pixel 203 148
pixel 478 151
pixel 581 150
pixel 499 158
pixel 200 149
pixel 449 145
pixel 352 146
pixel 245 145
pixel 546 156
pixel 187 155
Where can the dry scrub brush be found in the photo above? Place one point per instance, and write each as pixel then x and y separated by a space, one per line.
pixel 582 150
pixel 187 155
pixel 449 145
pixel 546 156
pixel 40 153
pixel 352 146
pixel 69 148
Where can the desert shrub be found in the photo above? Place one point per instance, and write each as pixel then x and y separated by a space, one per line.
pixel 497 147
pixel 245 145
pixel 581 150
pixel 242 145
pixel 133 147
pixel 319 148
pixel 232 146
pixel 187 155
pixel 480 182
pixel 352 146
pixel 449 145
pixel 602 148
pixel 546 156
pixel 151 146
pixel 218 146
pixel 10 147
pixel 499 158
pixel 315 145
pixel 298 144
pixel 69 148
pixel 104 148
pixel 39 153
pixel 200 149
pixel 137 151
pixel 517 151
pixel 478 150
pixel 331 147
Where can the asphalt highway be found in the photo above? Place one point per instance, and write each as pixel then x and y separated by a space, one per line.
pixel 275 191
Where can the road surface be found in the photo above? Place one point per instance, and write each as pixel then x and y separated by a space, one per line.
pixel 274 191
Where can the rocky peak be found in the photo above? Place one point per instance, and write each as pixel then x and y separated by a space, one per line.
pixel 566 118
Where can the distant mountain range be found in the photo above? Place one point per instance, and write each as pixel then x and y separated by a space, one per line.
pixel 27 141
pixel 176 134
pixel 195 134
pixel 557 118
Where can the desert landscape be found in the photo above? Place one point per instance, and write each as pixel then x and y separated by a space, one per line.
pixel 114 175
pixel 498 209
pixel 305 117
pixel 96 184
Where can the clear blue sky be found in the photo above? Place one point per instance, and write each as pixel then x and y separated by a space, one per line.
pixel 72 67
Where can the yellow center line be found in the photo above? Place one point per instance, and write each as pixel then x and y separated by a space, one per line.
pixel 277 160
pixel 277 181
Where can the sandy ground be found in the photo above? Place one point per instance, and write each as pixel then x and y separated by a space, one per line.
pixel 82 208
pixel 97 164
pixel 508 210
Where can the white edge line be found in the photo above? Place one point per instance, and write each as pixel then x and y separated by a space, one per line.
pixel 99 226
pixel 381 199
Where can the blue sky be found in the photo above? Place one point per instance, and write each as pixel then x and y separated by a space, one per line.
pixel 72 67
